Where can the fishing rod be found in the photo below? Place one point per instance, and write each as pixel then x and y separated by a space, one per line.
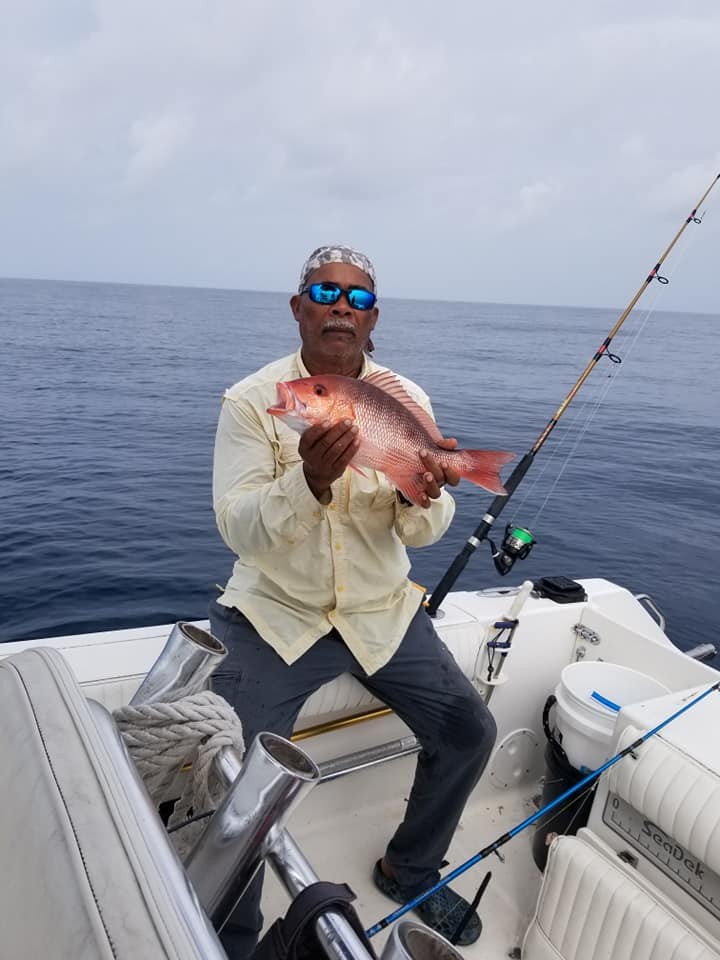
pixel 496 844
pixel 518 541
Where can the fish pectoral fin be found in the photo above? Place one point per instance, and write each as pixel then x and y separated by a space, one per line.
pixel 413 489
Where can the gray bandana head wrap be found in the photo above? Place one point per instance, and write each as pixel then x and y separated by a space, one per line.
pixel 336 254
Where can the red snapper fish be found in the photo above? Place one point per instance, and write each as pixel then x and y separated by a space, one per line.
pixel 392 429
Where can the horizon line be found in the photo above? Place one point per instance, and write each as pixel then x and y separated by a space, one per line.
pixel 499 303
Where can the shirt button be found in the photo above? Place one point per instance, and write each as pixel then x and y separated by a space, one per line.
pixel 338 546
pixel 339 588
pixel 331 507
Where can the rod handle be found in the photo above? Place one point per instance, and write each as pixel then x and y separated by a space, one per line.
pixel 449 578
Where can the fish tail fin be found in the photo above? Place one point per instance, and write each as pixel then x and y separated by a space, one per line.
pixel 482 467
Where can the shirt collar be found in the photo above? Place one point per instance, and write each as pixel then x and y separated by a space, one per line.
pixel 368 365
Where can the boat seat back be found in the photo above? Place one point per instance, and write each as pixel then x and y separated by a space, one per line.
pixel 591 908
pixel 663 802
pixel 87 868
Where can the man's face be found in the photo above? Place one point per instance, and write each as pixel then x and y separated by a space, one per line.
pixel 334 335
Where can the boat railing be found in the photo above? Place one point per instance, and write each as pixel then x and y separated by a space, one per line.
pixel 652 608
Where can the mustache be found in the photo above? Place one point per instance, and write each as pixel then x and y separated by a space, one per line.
pixel 338 326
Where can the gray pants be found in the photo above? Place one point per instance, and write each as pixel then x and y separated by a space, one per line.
pixel 421 683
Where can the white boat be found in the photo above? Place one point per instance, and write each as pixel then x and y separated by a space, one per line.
pixel 640 880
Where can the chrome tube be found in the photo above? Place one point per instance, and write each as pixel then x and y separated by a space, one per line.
pixel 187 660
pixel 337 937
pixel 703 651
pixel 274 777
pixel 351 762
pixel 410 940
pixel 335 934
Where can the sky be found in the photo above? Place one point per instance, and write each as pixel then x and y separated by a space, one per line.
pixel 521 152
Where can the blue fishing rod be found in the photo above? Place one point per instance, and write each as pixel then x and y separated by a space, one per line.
pixel 518 541
pixel 506 837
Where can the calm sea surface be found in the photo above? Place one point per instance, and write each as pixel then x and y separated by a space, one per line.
pixel 109 396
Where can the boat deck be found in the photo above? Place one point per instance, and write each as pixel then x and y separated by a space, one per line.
pixel 344 825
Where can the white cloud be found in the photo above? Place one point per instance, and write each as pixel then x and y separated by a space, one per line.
pixel 681 189
pixel 155 142
pixel 457 143
pixel 531 201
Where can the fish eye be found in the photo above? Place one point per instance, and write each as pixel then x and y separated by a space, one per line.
pixel 320 390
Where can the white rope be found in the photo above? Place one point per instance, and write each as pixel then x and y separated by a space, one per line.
pixel 163 737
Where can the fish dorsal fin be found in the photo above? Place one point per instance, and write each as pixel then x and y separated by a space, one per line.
pixel 389 383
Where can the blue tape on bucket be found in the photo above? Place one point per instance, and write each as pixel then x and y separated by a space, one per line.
pixel 604 701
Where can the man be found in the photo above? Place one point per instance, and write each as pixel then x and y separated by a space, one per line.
pixel 320 587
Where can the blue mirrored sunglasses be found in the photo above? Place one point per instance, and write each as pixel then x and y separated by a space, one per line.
pixel 358 297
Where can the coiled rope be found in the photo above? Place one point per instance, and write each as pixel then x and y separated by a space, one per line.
pixel 162 738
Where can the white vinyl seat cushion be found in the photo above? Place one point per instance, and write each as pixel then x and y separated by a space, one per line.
pixel 672 789
pixel 590 908
pixel 78 879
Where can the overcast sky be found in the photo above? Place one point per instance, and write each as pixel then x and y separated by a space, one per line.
pixel 516 152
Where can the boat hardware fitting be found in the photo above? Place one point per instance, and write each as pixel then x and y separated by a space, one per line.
pixel 337 938
pixel 187 660
pixel 585 633
pixel 274 777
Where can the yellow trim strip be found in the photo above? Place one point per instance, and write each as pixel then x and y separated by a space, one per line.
pixel 328 727
pixel 340 724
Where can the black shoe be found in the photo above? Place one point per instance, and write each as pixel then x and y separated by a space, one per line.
pixel 442 911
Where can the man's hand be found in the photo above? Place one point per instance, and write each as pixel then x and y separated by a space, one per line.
pixel 436 476
pixel 326 451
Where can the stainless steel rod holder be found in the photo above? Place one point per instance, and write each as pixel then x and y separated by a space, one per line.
pixel 187 660
pixel 410 940
pixel 337 937
pixel 273 779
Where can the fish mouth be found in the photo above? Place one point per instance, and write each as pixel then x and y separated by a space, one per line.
pixel 287 401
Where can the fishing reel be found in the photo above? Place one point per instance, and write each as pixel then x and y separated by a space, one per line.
pixel 517 544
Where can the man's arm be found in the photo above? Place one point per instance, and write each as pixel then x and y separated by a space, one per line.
pixel 256 511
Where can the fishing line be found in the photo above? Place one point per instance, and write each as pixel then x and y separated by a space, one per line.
pixel 572 802
pixel 549 461
pixel 595 405
pixel 560 446
pixel 506 837
pixel 521 540
pixel 189 820
pixel 591 409
pixel 587 410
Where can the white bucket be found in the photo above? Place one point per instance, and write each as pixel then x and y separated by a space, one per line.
pixel 589 696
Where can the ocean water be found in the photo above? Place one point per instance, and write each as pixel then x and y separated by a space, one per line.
pixel 109 396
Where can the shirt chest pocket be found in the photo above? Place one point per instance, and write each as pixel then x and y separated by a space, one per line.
pixel 286 453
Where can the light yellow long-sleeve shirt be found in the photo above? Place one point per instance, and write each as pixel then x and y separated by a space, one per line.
pixel 304 568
